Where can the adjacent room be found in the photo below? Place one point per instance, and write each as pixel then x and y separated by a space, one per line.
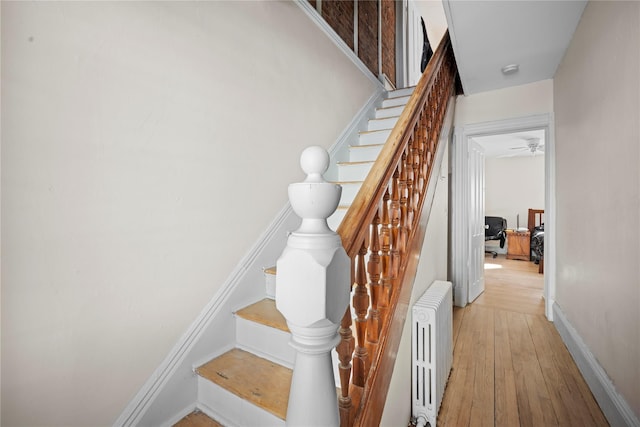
pixel 514 218
pixel 514 181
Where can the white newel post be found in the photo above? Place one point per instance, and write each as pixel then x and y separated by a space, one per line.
pixel 312 293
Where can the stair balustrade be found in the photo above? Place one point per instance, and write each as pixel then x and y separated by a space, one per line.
pixel 367 261
pixel 378 232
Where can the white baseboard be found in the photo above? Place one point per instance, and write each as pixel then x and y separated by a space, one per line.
pixel 613 405
pixel 180 415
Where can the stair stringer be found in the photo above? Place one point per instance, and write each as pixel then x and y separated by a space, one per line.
pixel 171 391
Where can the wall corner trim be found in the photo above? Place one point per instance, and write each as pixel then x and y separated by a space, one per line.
pixel 613 405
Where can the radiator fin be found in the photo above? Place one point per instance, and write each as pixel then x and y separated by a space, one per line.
pixel 432 349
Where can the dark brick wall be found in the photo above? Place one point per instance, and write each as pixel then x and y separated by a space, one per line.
pixel 389 39
pixel 339 15
pixel 368 34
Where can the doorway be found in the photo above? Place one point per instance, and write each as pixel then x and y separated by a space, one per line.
pixel 466 179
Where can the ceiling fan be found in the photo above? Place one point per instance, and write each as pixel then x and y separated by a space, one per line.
pixel 532 144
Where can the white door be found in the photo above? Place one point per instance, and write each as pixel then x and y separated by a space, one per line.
pixel 414 44
pixel 476 220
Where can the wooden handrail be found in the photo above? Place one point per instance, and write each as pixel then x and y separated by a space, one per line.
pixel 378 233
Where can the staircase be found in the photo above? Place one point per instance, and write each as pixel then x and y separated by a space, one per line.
pixel 364 151
pixel 249 385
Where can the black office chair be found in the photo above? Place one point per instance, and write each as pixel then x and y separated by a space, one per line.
pixel 495 229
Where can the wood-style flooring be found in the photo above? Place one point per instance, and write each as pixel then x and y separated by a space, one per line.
pixel 197 419
pixel 510 366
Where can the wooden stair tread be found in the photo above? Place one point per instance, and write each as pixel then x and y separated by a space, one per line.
pixel 347 182
pixel 396 97
pixel 386 108
pixel 363 132
pixel 385 118
pixel 197 419
pixel 362 162
pixel 252 378
pixel 265 313
pixel 355 147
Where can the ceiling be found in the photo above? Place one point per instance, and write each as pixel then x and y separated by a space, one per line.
pixel 512 144
pixel 488 35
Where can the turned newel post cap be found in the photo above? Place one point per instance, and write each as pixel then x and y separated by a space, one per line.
pixel 314 199
pixel 314 161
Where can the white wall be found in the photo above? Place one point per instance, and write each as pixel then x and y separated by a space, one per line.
pixel 434 19
pixel 512 102
pixel 597 97
pixel 146 146
pixel 513 185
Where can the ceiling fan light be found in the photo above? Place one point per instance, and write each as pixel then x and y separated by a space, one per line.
pixel 510 69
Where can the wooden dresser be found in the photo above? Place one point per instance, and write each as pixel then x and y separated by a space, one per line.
pixel 519 245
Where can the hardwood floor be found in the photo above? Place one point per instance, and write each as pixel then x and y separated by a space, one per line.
pixel 510 366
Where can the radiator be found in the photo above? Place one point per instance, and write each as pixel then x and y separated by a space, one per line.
pixel 432 351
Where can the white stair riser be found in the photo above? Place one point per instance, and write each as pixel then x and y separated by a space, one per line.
pixel 349 192
pixel 353 171
pixel 380 124
pixel 364 153
pixel 265 341
pixel 270 285
pixel 401 92
pixel 335 219
pixel 236 410
pixel 381 113
pixel 392 102
pixel 379 137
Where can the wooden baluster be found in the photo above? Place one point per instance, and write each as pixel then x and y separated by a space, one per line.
pixel 373 268
pixel 395 227
pixel 421 149
pixel 403 187
pixel 427 148
pixel 409 186
pixel 425 166
pixel 403 204
pixel 410 183
pixel 360 306
pixel 345 353
pixel 385 256
pixel 433 122
pixel 439 99
pixel 417 163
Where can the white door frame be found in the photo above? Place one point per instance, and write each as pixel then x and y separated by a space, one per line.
pixel 411 45
pixel 461 185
